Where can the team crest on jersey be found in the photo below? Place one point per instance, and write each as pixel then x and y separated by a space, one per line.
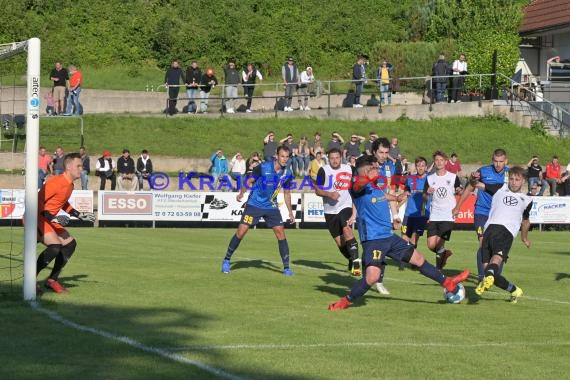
pixel 373 200
pixel 441 192
pixel 509 200
pixel 341 185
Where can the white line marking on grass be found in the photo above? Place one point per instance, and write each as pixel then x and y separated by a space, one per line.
pixel 360 344
pixel 131 342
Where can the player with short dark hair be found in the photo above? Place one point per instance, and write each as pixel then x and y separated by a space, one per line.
pixel 333 185
pixel 373 204
pixel 386 169
pixel 416 214
pixel 440 187
pixel 52 198
pixel 265 182
pixel 510 209
pixel 496 173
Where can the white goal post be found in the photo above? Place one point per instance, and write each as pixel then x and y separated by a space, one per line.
pixel 33 48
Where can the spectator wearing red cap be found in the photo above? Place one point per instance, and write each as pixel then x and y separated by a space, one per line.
pixel 106 168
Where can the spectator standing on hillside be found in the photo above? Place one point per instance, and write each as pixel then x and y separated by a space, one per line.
pixel 106 168
pixel 219 166
pixel 238 167
pixel 317 145
pixel 252 162
pixel 535 176
pixel 44 165
pixel 232 81
pixel 304 158
pixel 249 75
pixel 86 161
pixel 352 148
pixel 144 168
pixel 335 143
pixel 553 175
pixel 359 78
pixel 307 79
pixel 208 82
pixel 75 82
pixel 372 136
pixel 439 72
pixel 383 78
pixel 394 154
pixel 59 76
pixel 193 78
pixel 269 146
pixel 126 169
pixel 291 78
pixel 458 70
pixel 57 166
pixel 172 79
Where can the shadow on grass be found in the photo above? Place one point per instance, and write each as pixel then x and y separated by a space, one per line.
pixel 73 340
pixel 314 264
pixel 561 276
pixel 259 264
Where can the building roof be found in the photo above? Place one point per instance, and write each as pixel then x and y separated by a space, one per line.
pixel 542 15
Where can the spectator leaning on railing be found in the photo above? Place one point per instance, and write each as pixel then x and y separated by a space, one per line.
pixel 172 79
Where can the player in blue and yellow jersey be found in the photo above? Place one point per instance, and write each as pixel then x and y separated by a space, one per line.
pixel 386 171
pixel 416 214
pixel 373 204
pixel 494 174
pixel 265 183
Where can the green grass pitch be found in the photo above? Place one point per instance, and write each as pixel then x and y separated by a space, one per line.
pixel 163 291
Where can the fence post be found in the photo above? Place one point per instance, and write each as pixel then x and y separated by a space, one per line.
pixel 431 94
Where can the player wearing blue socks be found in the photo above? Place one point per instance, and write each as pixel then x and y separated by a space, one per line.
pixel 265 182
pixel 373 204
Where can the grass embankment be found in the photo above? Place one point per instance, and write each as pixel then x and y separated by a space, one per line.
pixel 473 139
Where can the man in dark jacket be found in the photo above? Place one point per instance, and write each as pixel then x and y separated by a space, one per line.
pixel 440 71
pixel 144 168
pixel 172 79
pixel 206 84
pixel 126 170
pixel 193 78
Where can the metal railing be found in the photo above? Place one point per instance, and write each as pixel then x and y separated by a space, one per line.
pixel 423 84
pixel 557 116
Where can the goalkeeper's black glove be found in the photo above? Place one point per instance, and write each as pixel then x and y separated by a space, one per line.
pixel 85 216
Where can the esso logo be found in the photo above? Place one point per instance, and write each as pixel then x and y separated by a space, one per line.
pixel 127 204
pixel 130 204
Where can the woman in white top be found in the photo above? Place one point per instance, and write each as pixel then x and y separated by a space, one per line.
pixel 307 78
pixel 238 167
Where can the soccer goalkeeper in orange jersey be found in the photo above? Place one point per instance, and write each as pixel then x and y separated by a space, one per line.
pixel 53 197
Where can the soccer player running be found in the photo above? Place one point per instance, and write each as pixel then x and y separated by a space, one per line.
pixel 373 205
pixel 333 185
pixel 52 198
pixel 416 214
pixel 510 209
pixel 265 182
pixel 441 187
pixel 386 169
pixel 493 174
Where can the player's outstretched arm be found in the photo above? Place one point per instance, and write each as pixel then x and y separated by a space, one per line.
pixel 525 227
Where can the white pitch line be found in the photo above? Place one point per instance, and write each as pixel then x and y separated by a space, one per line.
pixel 360 344
pixel 133 343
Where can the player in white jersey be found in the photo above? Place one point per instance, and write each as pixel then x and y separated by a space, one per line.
pixel 441 186
pixel 510 210
pixel 333 185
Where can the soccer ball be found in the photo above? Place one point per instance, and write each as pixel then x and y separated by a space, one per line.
pixel 455 297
